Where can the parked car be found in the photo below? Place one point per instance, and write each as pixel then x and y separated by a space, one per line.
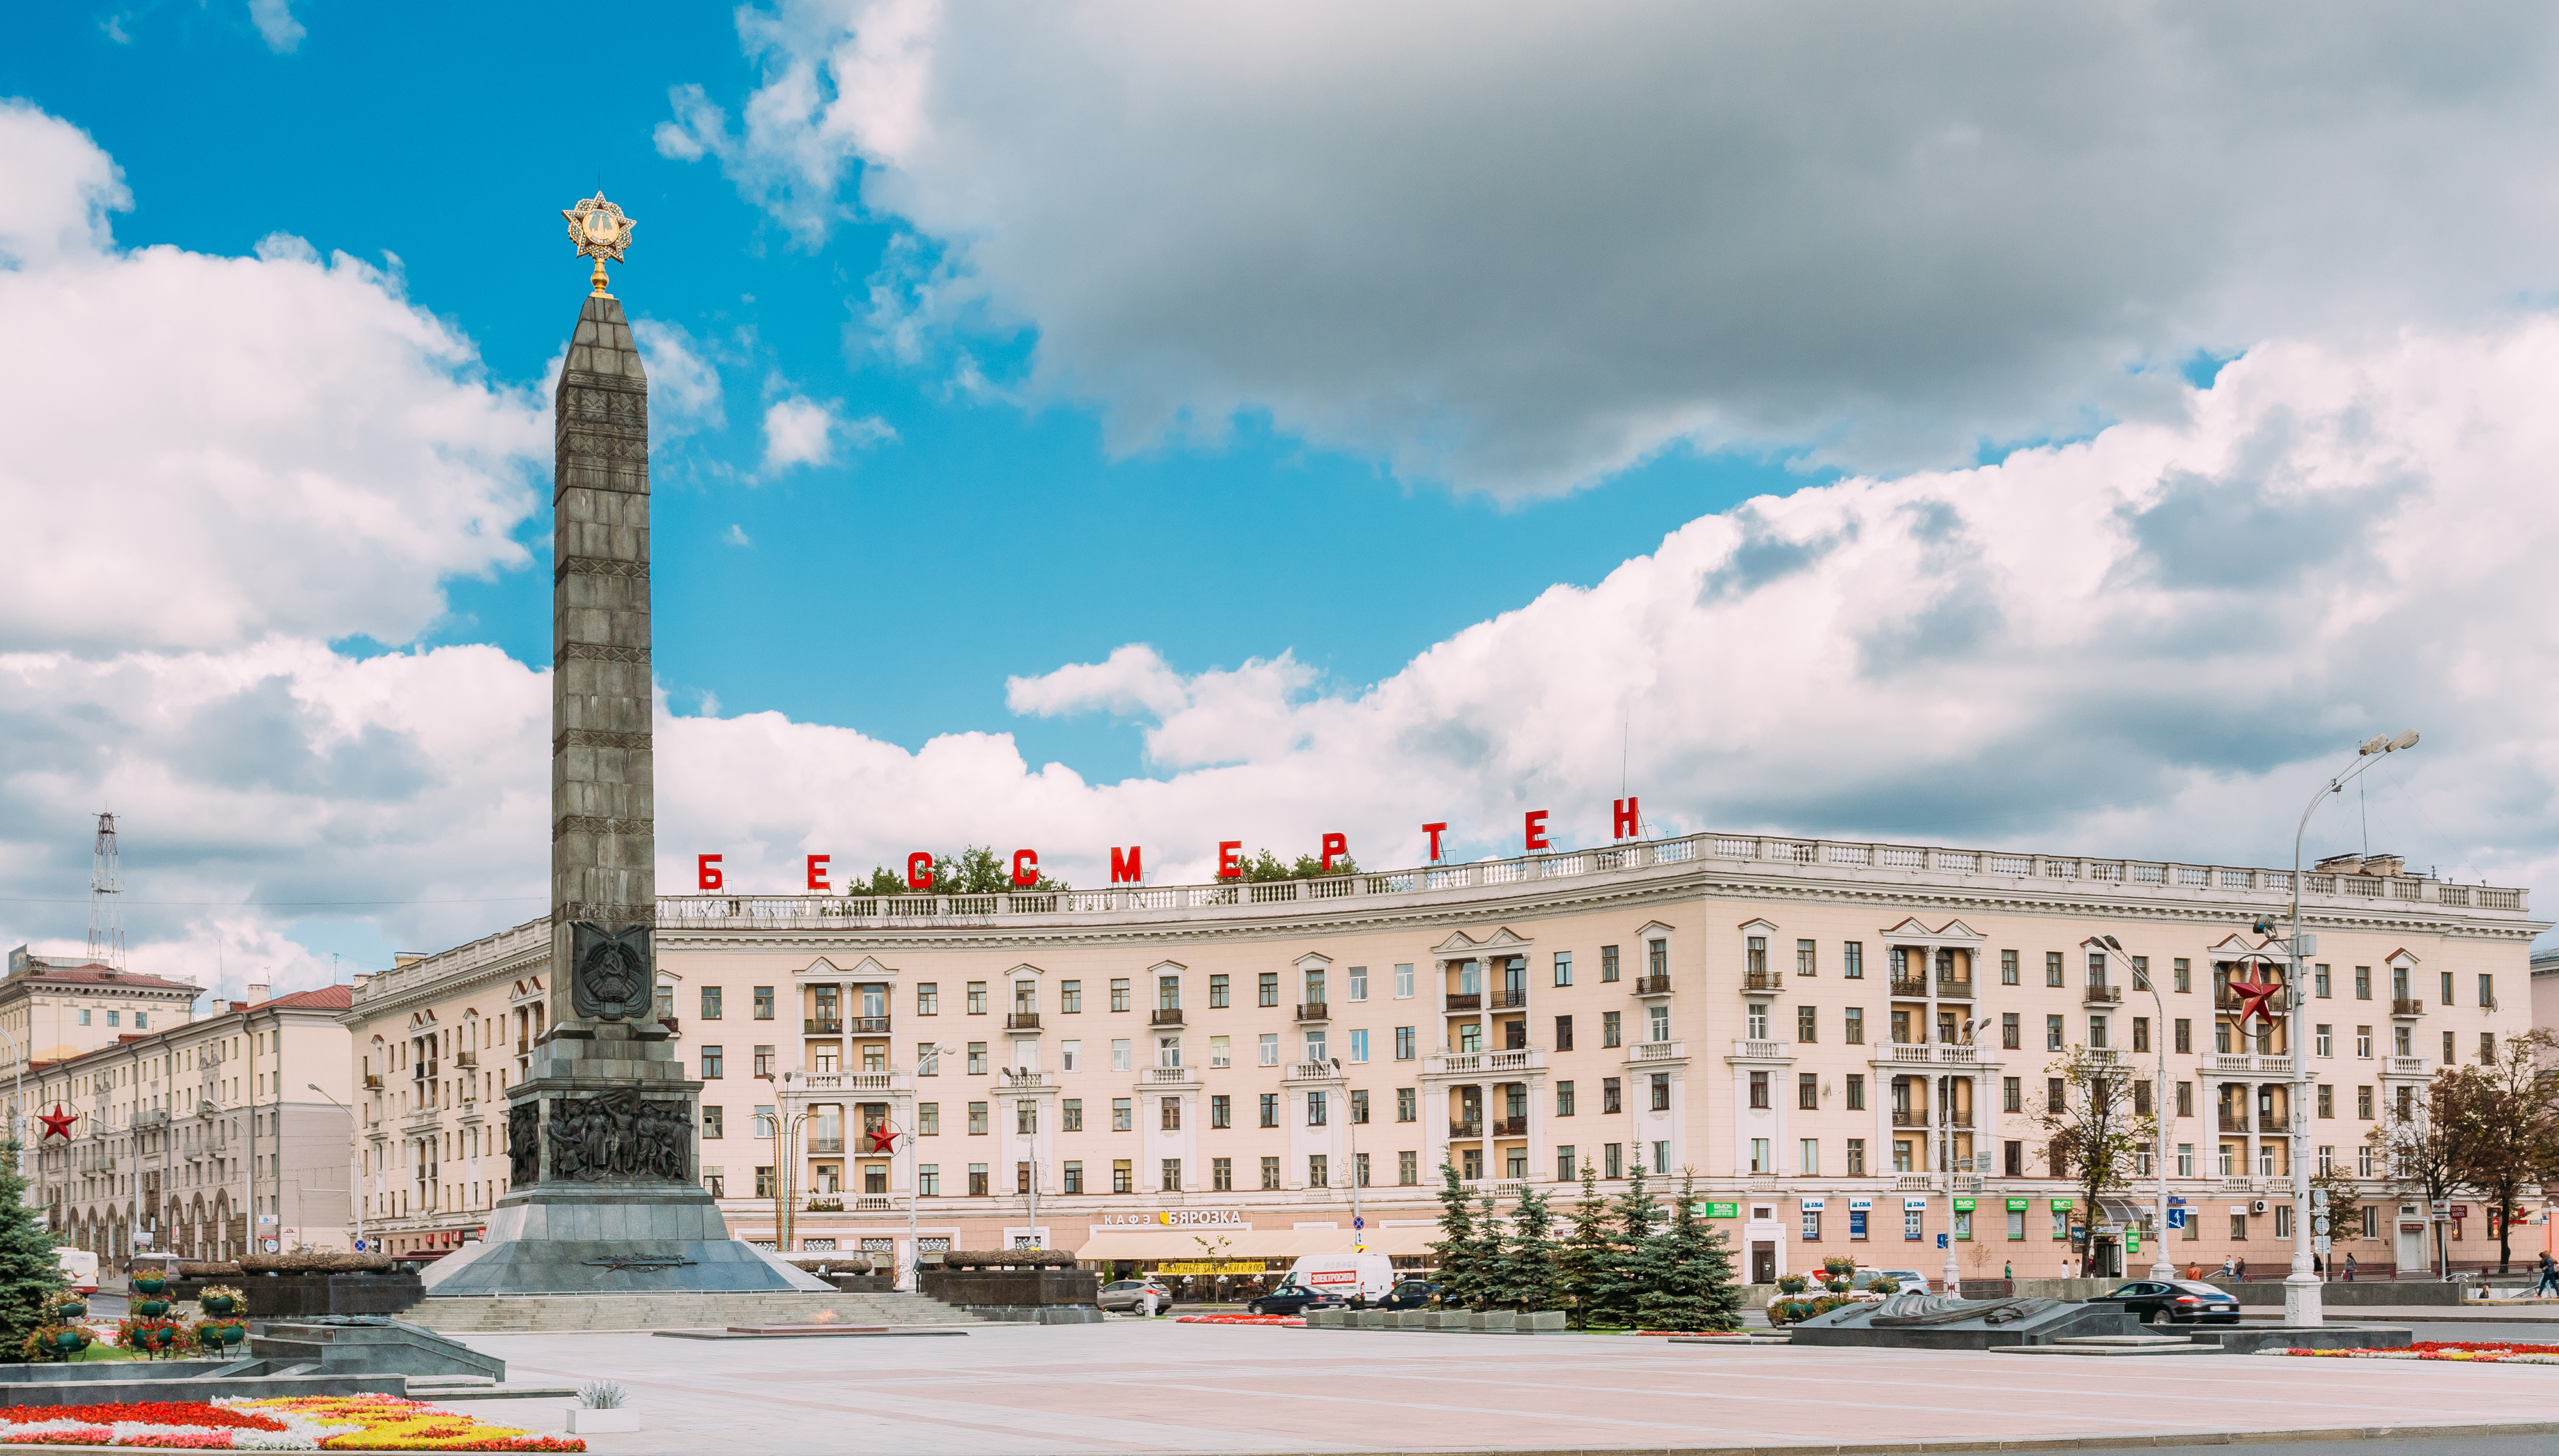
pixel 2178 1301
pixel 1408 1294
pixel 1123 1295
pixel 1295 1299
pixel 1913 1281
pixel 79 1268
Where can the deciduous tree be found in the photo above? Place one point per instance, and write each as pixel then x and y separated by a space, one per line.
pixel 2505 1113
pixel 2093 1137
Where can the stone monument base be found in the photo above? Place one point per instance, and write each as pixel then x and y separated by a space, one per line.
pixel 652 1239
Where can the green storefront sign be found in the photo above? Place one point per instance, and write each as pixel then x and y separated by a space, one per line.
pixel 2020 1205
pixel 2065 1202
pixel 1718 1209
pixel 1963 1206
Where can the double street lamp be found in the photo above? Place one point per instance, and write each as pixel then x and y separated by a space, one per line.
pixel 2159 1266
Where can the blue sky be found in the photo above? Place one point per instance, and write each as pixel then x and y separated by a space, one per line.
pixel 1214 337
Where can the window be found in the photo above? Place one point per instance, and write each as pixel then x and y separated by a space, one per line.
pixel 927 1119
pixel 2007 967
pixel 1610 1099
pixel 2141 1033
pixel 1755 958
pixel 1564 1100
pixel 2186 1099
pixel 2364 983
pixel 1912 1218
pixel 1221 1174
pixel 2012 1095
pixel 977 999
pixel 1662 1091
pixel 1070 1054
pixel 1123 1176
pixel 1854 1027
pixel 1404 981
pixel 83 1016
pixel 1267 989
pixel 1408 1105
pixel 2449 1053
pixel 1609 1034
pixel 1118 994
pixel 2319 980
pixel 1169 1114
pixel 2052 967
pixel 2444 990
pixel 1069 997
pixel 1758 1088
pixel 1359 982
pixel 1805 962
pixel 2181 977
pixel 1760 1162
pixel 714 1121
pixel 1270 1110
pixel 1407 1168
pixel 1168 993
pixel 1857 1091
pixel 1221 1111
pixel 1755 1021
pixel 1607 962
pixel 1069 1114
pixel 1270 1172
pixel 2056 1097
pixel 977 1119
pixel 977 1058
pixel 710 1003
pixel 1807 1024
pixel 2052 1033
pixel 1359 1046
pixel 712 1063
pixel 764 1061
pixel 1359 1107
pixel 1123 1116
pixel 1808 1090
pixel 1855 1161
pixel 1320 1171
pixel 1563 967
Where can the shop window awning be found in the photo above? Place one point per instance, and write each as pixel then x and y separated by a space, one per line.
pixel 1111 1244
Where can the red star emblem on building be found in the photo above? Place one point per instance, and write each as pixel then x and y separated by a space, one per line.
pixel 883 1140
pixel 57 1123
pixel 2256 999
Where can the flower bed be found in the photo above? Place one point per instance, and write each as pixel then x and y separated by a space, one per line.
pixel 1241 1319
pixel 299 1423
pixel 2482 1352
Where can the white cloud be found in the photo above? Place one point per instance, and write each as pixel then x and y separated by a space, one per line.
pixel 736 536
pixel 1521 255
pixel 274 21
pixel 56 192
pixel 683 379
pixel 801 431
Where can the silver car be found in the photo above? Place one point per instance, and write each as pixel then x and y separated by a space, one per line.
pixel 1121 1296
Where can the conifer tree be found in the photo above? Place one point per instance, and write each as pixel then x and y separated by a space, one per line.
pixel 1584 1255
pixel 30 1275
pixel 1487 1263
pixel 1529 1268
pixel 1686 1274
pixel 1456 1250
pixel 1614 1301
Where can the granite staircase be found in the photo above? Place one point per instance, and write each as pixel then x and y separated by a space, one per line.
pixel 515 1314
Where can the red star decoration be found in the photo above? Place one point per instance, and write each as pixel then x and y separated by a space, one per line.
pixel 883 1140
pixel 57 1123
pixel 2256 999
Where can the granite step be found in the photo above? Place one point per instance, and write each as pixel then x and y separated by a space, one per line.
pixel 526 1314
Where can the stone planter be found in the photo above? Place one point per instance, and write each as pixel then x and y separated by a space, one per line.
pixel 617 1420
pixel 1497 1321
pixel 301 1296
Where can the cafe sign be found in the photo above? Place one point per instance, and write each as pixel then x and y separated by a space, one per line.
pixel 1179 1219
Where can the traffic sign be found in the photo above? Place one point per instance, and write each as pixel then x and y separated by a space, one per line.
pixel 1358 1221
pixel 2177 1217
pixel 268 1245
pixel 1941 1241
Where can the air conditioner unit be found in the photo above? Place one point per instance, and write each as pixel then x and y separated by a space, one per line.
pixel 2258 1207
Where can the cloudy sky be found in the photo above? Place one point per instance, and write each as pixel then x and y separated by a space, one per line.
pixel 1100 424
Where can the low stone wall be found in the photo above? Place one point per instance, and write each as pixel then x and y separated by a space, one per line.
pixel 2337 1294
pixel 1473 1322
pixel 971 1288
pixel 301 1296
pixel 2249 1338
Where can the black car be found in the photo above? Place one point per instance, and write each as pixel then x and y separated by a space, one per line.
pixel 1407 1295
pixel 1295 1299
pixel 2178 1301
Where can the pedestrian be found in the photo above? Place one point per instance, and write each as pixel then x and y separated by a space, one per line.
pixel 2349 1268
pixel 1146 1301
pixel 2224 1271
pixel 2239 1270
pixel 2009 1272
pixel 2549 1277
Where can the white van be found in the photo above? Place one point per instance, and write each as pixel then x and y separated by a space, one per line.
pixel 79 1268
pixel 1357 1277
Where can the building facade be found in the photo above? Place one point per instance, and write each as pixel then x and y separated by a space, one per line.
pixel 54 1009
pixel 1848 1045
pixel 205 1139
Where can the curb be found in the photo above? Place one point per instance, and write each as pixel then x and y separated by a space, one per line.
pixel 2168 1441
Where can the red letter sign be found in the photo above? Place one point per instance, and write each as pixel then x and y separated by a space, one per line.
pixel 706 871
pixel 919 871
pixel 818 871
pixel 1625 822
pixel 1126 871
pixel 1537 828
pixel 1230 864
pixel 1025 867
pixel 1335 844
pixel 1433 831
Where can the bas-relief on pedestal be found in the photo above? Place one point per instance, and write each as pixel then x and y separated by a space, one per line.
pixel 604 1195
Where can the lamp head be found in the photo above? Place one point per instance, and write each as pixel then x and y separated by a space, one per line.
pixel 2377 743
pixel 2407 739
pixel 2264 927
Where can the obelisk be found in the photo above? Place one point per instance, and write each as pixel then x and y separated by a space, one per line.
pixel 605 1195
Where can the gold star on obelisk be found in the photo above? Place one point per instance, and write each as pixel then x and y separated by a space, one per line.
pixel 600 231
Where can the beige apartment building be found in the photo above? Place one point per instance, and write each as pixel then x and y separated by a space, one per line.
pixel 1846 1044
pixel 55 1008
pixel 206 1138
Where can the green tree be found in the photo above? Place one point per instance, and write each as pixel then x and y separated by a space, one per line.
pixel 975 870
pixel 2094 1136
pixel 1486 1259
pixel 1460 1281
pixel 1528 1273
pixel 1265 867
pixel 1582 1256
pixel 1618 1286
pixel 2420 1144
pixel 30 1275
pixel 2508 1109
pixel 1685 1273
pixel 2343 1209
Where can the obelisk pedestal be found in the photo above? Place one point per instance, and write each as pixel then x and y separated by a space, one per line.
pixel 604 1196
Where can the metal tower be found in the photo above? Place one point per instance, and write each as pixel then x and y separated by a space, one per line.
pixel 106 910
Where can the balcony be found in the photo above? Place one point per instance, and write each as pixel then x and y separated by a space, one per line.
pixel 2407 1007
pixel 1511 1128
pixel 2233 1123
pixel 372 1082
pixel 2225 1063
pixel 1476 1064
pixel 1510 1000
pixel 1961 1117
pixel 2407 1066
pixel 1758 980
pixel 821 1145
pixel 1746 1050
pixel 1314 1011
pixel 869 1026
pixel 1464 1129
pixel 2101 994
pixel 1166 1016
pixel 1172 1076
pixel 1652 985
pixel 822 1026
pixel 1954 990
pixel 805 1083
pixel 1464 1001
pixel 1910 987
pixel 1659 1051
pixel 1313 1071
pixel 1021 1021
pixel 467 1061
pixel 1909 1118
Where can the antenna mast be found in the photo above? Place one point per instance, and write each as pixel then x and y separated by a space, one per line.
pixel 105 910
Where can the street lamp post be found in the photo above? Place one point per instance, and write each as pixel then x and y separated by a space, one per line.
pixel 2301 1301
pixel 2161 1269
pixel 354 1193
pixel 1359 1221
pixel 914 1180
pixel 1952 1274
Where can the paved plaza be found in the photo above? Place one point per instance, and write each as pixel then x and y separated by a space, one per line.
pixel 1132 1387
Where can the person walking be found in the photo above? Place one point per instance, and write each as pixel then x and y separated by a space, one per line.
pixel 2349 1268
pixel 2549 1283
